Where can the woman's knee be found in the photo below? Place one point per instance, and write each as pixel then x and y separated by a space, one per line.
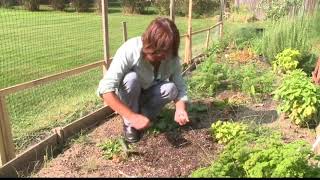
pixel 169 91
pixel 131 82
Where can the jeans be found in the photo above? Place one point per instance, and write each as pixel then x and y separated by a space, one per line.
pixel 147 102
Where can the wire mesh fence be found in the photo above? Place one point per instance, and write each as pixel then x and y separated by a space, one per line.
pixel 36 111
pixel 37 44
pixel 46 42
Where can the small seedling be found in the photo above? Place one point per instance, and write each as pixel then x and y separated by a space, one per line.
pixel 114 148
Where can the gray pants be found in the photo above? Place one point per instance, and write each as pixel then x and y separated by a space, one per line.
pixel 148 102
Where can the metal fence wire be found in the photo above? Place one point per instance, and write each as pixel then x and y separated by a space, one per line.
pixel 36 44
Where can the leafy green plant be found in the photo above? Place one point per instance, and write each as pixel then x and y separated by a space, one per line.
pixel 134 6
pixel 252 80
pixel 260 152
pixel 200 7
pixel 299 98
pixel 224 132
pixel 244 36
pixel 287 60
pixel 280 160
pixel 164 123
pixel 276 9
pixel 211 77
pixel 286 33
pixel 206 80
pixel 111 148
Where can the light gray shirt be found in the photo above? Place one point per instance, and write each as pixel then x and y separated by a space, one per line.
pixel 128 58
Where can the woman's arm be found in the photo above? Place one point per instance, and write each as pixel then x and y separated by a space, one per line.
pixel 136 120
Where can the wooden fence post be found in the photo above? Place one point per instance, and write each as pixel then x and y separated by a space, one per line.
pixel 105 35
pixel 188 45
pixel 208 39
pixel 221 17
pixel 125 32
pixel 7 150
pixel 172 10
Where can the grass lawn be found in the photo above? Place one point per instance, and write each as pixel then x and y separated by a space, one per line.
pixel 37 44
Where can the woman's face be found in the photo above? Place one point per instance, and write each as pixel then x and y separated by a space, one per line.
pixel 157 56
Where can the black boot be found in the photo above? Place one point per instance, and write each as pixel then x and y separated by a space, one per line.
pixel 131 135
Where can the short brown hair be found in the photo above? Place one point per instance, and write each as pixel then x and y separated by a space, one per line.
pixel 162 35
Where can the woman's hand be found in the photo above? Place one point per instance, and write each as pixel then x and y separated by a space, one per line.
pixel 139 121
pixel 181 117
pixel 316 73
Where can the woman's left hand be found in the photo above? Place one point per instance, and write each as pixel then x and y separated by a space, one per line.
pixel 181 117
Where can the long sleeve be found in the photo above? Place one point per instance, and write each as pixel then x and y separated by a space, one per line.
pixel 178 80
pixel 121 64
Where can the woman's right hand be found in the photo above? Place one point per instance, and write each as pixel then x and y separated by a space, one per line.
pixel 316 73
pixel 139 121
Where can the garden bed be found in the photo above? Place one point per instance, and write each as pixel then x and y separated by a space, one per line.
pixel 176 153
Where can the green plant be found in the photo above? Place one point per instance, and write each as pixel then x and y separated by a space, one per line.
pixel 199 7
pixel 111 148
pixel 299 98
pixel 31 5
pixel 134 6
pixel 275 9
pixel 287 60
pixel 252 80
pixel 244 36
pixel 164 123
pixel 58 4
pixel 206 80
pixel 7 3
pixel 260 152
pixel 280 160
pixel 203 7
pixel 81 5
pixel 162 6
pixel 225 132
pixel 286 33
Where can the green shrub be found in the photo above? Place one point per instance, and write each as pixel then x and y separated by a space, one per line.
pixel 307 62
pixel 211 77
pixel 280 160
pixel 206 80
pixel 162 6
pixel 203 7
pixel 275 9
pixel 199 7
pixel 286 33
pixel 134 6
pixel 58 4
pixel 7 3
pixel 260 152
pixel 299 98
pixel 252 80
pixel 225 132
pixel 244 36
pixel 286 61
pixel 81 5
pixel 31 5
